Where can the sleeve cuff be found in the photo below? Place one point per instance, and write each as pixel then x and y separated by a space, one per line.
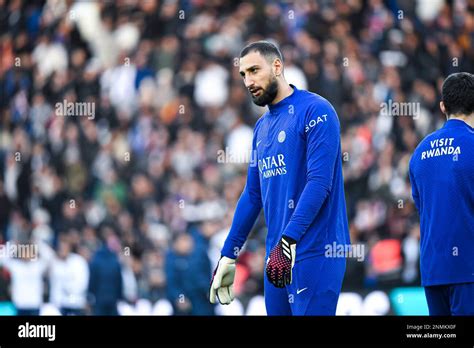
pixel 293 235
pixel 228 253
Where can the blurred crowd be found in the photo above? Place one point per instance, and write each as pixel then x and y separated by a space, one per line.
pixel 133 200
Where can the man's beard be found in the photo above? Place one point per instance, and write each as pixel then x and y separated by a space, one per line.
pixel 268 94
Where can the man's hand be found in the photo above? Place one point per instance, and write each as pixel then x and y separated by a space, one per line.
pixel 222 283
pixel 281 261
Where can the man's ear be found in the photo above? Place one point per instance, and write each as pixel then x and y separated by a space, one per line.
pixel 277 67
pixel 442 108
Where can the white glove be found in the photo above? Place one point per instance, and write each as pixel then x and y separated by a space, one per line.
pixel 222 284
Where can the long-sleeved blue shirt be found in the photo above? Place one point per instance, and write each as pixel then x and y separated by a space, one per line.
pixel 442 180
pixel 296 178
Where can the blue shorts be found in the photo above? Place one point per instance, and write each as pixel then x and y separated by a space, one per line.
pixel 314 289
pixel 450 299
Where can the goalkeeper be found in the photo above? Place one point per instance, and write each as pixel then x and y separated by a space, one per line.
pixel 298 182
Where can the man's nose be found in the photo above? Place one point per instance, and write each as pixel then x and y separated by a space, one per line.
pixel 249 83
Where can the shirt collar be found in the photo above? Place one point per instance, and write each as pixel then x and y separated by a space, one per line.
pixel 282 104
pixel 455 123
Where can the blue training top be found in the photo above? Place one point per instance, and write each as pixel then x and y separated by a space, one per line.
pixel 442 179
pixel 297 178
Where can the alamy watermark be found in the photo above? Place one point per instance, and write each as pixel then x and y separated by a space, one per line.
pixel 227 156
pixel 336 250
pixel 28 330
pixel 85 109
pixel 23 251
pixel 408 109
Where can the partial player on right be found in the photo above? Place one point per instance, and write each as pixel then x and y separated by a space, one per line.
pixel 442 179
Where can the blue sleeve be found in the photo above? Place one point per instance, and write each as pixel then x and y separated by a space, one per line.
pixel 321 131
pixel 172 288
pixel 203 271
pixel 246 212
pixel 414 188
pixel 92 287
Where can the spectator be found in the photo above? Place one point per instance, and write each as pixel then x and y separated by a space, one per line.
pixel 188 274
pixel 105 281
pixel 69 276
pixel 27 272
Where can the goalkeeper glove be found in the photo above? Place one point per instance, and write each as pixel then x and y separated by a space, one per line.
pixel 281 261
pixel 222 283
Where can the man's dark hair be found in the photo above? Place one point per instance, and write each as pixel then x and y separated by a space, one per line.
pixel 265 48
pixel 457 93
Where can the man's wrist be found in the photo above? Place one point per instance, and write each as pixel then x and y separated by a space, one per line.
pixel 226 259
pixel 289 239
pixel 230 255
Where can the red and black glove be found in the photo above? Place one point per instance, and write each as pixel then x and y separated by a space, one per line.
pixel 281 262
